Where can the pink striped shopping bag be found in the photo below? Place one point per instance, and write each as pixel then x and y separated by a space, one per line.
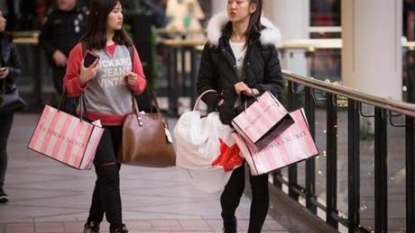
pixel 262 117
pixel 66 138
pixel 290 146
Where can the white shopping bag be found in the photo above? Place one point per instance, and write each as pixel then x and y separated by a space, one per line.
pixel 206 151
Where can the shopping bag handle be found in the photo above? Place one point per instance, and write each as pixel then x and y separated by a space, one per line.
pixel 200 98
pixel 80 99
pixel 257 98
pixel 244 99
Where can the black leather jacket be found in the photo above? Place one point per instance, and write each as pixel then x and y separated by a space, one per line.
pixel 9 58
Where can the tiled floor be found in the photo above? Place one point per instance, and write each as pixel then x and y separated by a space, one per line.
pixel 48 197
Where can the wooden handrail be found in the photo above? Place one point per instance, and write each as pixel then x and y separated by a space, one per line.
pixel 31 38
pixel 304 44
pixel 24 40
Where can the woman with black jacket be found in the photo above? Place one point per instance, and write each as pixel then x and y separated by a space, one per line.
pixel 240 61
pixel 9 72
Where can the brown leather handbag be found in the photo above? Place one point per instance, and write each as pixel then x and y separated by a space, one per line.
pixel 146 140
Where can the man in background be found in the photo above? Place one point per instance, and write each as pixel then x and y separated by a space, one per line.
pixel 60 31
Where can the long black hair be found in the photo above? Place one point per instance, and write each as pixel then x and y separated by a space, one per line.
pixel 94 35
pixel 254 25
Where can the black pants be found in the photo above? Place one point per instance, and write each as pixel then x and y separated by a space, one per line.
pixel 106 197
pixel 58 73
pixel 232 194
pixel 57 77
pixel 6 122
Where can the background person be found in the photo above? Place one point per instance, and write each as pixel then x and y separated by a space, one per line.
pixel 59 33
pixel 240 59
pixel 10 62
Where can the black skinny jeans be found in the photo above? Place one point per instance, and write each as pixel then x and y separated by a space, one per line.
pixel 6 122
pixel 232 194
pixel 106 197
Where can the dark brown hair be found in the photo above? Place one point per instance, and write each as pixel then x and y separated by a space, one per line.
pixel 94 35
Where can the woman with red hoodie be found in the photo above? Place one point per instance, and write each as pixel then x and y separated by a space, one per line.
pixel 106 85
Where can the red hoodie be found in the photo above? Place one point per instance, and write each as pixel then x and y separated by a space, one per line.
pixel 102 102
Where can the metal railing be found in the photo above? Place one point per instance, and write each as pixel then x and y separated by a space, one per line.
pixel 385 112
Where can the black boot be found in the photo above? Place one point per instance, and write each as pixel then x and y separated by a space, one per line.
pixel 3 196
pixel 120 229
pixel 91 227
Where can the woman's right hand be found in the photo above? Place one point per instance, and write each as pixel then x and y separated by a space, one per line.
pixel 4 72
pixel 59 58
pixel 242 88
pixel 88 73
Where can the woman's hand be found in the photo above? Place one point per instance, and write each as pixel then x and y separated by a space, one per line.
pixel 131 78
pixel 4 72
pixel 59 58
pixel 88 73
pixel 242 88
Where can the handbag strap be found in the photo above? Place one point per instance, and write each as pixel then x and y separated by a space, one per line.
pixel 82 106
pixel 62 100
pixel 3 86
pixel 153 98
pixel 200 98
pixel 3 90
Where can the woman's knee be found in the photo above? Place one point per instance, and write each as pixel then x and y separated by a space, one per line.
pixel 108 172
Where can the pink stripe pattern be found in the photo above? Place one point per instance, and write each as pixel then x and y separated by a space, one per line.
pixel 292 145
pixel 259 118
pixel 66 138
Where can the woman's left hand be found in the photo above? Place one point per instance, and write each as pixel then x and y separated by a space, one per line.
pixel 242 88
pixel 131 78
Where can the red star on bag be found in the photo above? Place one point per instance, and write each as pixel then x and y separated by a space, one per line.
pixel 228 157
